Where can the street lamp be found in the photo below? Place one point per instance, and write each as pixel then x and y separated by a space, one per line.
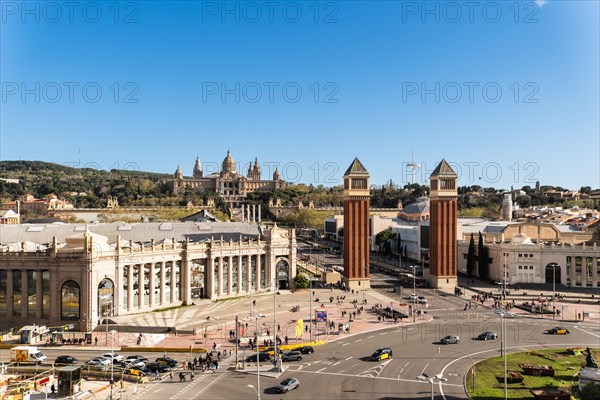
pixel 503 343
pixel 415 302
pixel 436 379
pixel 256 391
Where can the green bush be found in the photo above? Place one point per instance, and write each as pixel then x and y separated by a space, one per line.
pixel 301 281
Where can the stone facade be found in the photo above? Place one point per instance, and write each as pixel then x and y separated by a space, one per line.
pixel 59 277
pixel 231 185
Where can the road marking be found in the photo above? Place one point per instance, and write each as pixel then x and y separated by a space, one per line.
pixel 424 368
pixel 348 358
pixel 384 333
pixel 372 336
pixel 403 368
pixel 355 365
pixel 322 369
pixel 345 344
pixel 336 363
pixel 378 377
pixel 341 371
pixel 583 330
pixel 358 340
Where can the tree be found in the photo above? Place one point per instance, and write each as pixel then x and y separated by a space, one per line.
pixel 589 391
pixel 483 259
pixel 301 281
pixel 471 257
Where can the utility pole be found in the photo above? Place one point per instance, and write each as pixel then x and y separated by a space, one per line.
pixel 237 335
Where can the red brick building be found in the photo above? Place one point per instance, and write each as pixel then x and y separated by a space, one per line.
pixel 443 209
pixel 356 198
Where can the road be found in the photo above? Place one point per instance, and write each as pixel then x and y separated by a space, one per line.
pixel 343 370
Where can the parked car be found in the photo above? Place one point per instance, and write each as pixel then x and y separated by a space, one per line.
pixel 114 357
pixel 488 336
pixel 271 350
pixel 137 357
pixel 305 349
pixel 288 384
pixel 98 362
pixel 157 366
pixel 558 331
pixel 66 360
pixel 450 339
pixel 139 371
pixel 262 357
pixel 292 356
pixel 166 360
pixel 130 363
pixel 382 354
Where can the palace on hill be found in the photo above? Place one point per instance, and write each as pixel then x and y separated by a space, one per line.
pixel 231 185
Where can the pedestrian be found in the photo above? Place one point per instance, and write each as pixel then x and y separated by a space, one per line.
pixel 171 375
pixel 253 302
pixel 214 346
pixel 96 340
pixel 278 328
pixel 52 389
pixel 219 356
pixel 157 376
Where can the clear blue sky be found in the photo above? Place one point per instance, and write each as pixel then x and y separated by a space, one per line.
pixel 378 80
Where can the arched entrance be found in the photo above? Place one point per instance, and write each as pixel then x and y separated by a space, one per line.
pixel 553 273
pixel 106 291
pixel 282 269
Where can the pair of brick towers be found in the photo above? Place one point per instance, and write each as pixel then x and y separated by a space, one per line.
pixel 442 227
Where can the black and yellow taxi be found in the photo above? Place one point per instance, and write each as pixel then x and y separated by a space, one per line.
pixel 382 354
pixel 558 331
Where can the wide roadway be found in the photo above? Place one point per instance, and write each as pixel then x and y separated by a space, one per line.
pixel 343 369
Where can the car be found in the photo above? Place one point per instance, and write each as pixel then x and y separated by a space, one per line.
pixel 131 363
pixel 66 360
pixel 305 349
pixel 422 300
pixel 450 339
pixel 137 357
pixel 292 356
pixel 413 298
pixel 488 336
pixel 116 358
pixel 558 331
pixel 157 366
pixel 288 384
pixel 261 358
pixel 137 371
pixel 271 350
pixel 166 360
pixel 382 354
pixel 98 362
pixel 507 314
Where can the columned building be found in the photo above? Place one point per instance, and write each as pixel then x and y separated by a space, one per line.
pixel 75 274
pixel 356 199
pixel 443 209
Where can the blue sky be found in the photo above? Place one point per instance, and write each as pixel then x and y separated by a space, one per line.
pixel 508 92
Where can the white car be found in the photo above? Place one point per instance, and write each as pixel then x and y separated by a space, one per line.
pixel 98 362
pixel 413 298
pixel 422 300
pixel 114 357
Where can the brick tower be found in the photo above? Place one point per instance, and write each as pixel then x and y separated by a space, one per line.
pixel 442 230
pixel 356 226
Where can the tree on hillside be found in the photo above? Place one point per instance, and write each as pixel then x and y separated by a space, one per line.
pixel 471 257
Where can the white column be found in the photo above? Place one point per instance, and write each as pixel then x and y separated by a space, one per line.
pixel 259 217
pixel 243 219
pixel 254 213
pixel 141 286
pixel 229 274
pixel 173 281
pixel 151 284
pixel 130 287
pixel 186 279
pixel 239 273
pixel 594 272
pixel 248 274
pixel 162 283
pixel 257 285
pixel 220 282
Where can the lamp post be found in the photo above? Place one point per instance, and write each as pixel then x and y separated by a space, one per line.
pixel 415 302
pixel 436 379
pixel 364 280
pixel 276 354
pixel 256 391
pixel 310 309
